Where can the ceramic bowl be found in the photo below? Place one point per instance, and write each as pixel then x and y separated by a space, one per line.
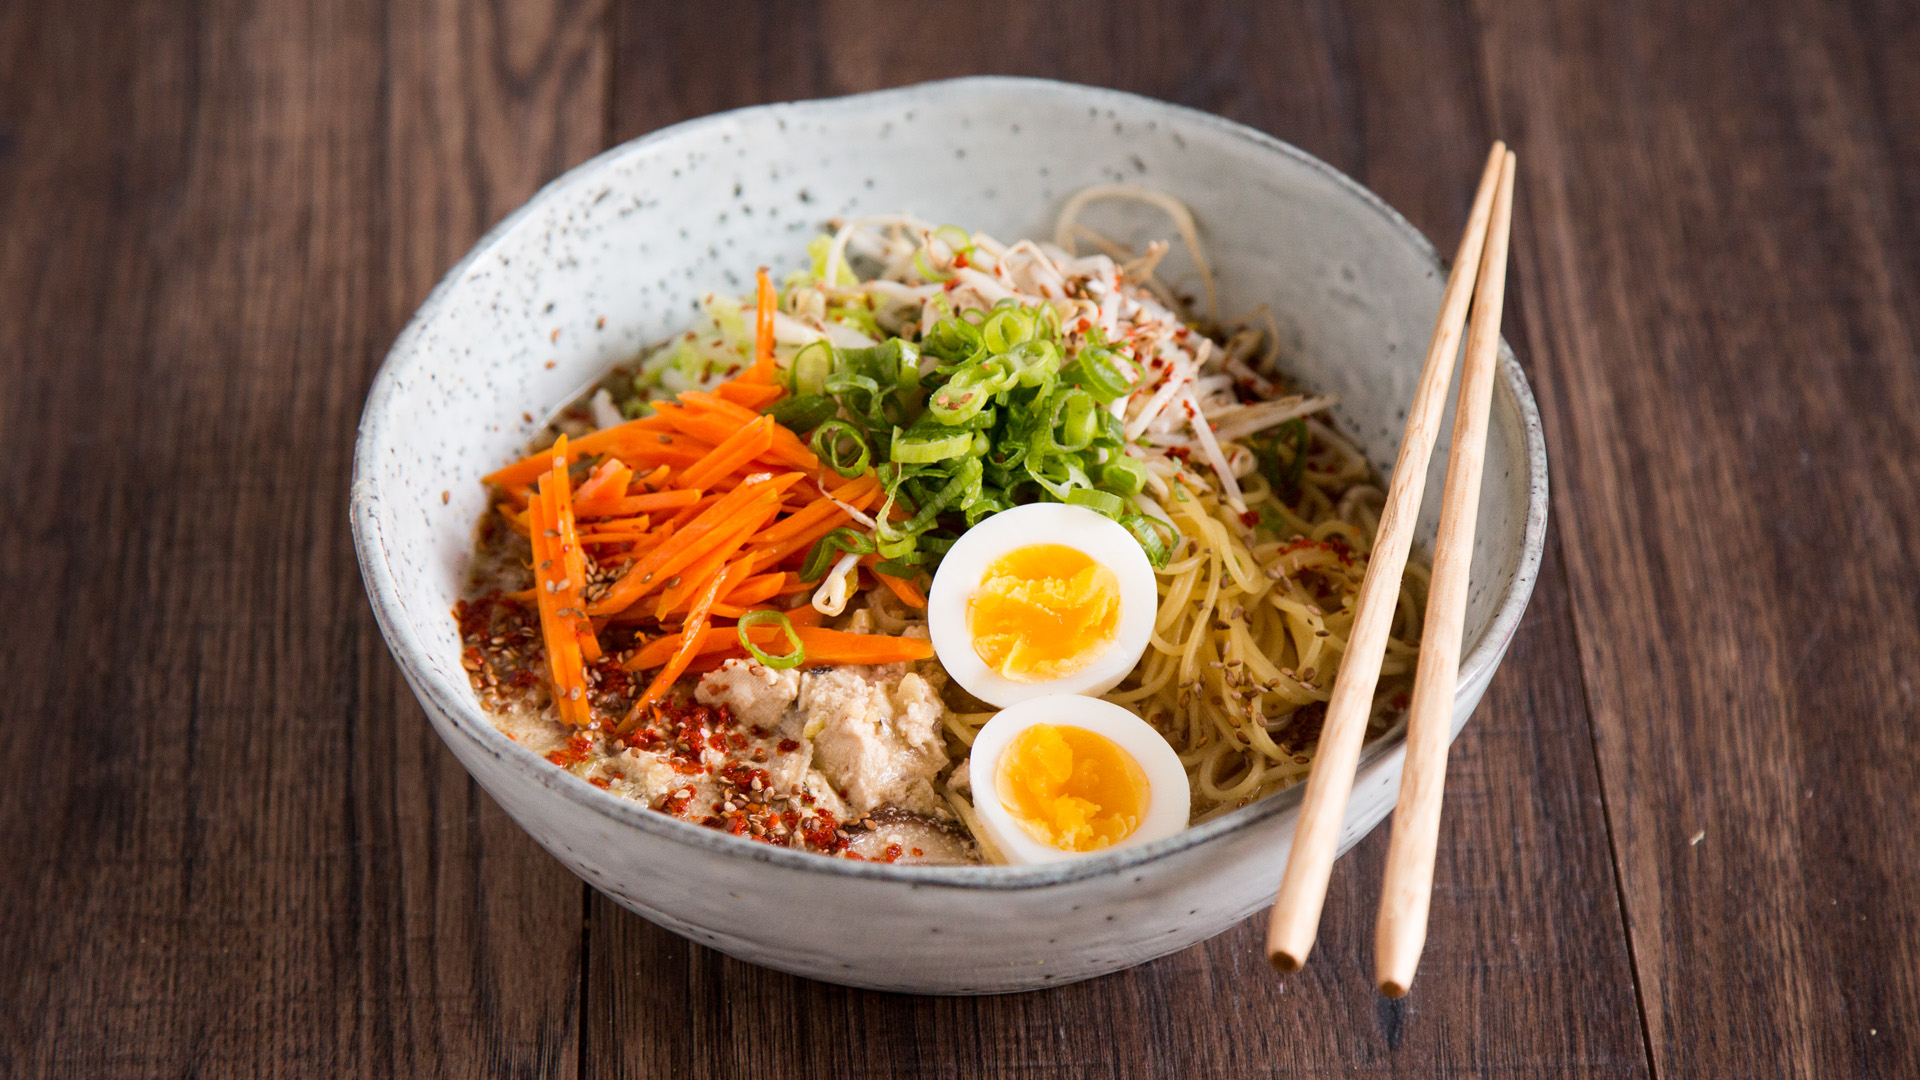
pixel 613 255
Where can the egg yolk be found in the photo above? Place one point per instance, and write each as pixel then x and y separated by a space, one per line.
pixel 1071 788
pixel 1043 611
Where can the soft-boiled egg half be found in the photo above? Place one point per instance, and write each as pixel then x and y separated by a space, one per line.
pixel 1045 598
pixel 1066 775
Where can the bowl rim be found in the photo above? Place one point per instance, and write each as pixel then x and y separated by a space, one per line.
pixel 469 721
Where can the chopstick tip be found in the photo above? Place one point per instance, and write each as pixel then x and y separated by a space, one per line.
pixel 1393 988
pixel 1285 962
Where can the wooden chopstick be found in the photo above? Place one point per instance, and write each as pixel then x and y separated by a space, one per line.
pixel 1303 889
pixel 1401 931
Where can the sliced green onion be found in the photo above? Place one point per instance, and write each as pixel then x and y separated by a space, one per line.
pixel 1147 530
pixel 956 238
pixel 792 659
pixel 804 412
pixel 827 446
pixel 811 366
pixel 1104 503
pixel 1005 328
pixel 828 548
pixel 1124 476
pixel 1073 412
pixel 1099 372
pixel 924 448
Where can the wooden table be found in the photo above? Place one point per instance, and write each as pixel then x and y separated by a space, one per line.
pixel 1682 835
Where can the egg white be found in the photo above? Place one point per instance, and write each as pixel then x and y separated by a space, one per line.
pixel 1169 802
pixel 1100 539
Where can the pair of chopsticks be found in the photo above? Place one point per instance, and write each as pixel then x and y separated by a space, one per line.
pixel 1479 273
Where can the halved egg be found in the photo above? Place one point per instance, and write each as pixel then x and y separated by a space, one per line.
pixel 1042 599
pixel 1067 775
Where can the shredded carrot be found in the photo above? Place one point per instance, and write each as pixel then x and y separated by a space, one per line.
pixel 705 421
pixel 742 446
pixel 573 558
pixel 749 395
pixel 839 647
pixel 643 443
pixel 643 576
pixel 718 639
pixel 691 634
pixel 908 592
pixel 764 301
pixel 609 480
pixel 618 506
pixel 822 646
pixel 565 664
pixel 712 561
pixel 761 587
pixel 787 447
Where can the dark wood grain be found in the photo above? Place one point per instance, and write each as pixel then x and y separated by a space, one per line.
pixel 1724 247
pixel 1680 831
pixel 233 845
pixel 1527 970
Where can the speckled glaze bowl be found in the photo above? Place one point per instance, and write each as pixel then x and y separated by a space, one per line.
pixel 613 255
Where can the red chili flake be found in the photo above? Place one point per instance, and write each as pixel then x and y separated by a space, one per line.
pixel 1085 325
pixel 917 853
pixel 788 746
pixel 893 852
pixel 1249 519
pixel 575 752
pixel 738 742
pixel 960 259
pixel 599 783
pixel 737 824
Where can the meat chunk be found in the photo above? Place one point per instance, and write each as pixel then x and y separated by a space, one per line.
pixel 758 696
pixel 877 739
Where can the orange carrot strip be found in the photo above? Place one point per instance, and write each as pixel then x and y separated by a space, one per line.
pixel 765 298
pixel 639 443
pixel 649 572
pixel 838 647
pixel 743 446
pixel 766 554
pixel 696 626
pixel 908 592
pixel 788 446
pixel 718 638
pixel 615 506
pixel 713 419
pixel 653 480
pixel 694 509
pixel 750 395
pixel 761 587
pixel 711 562
pixel 564 666
pixel 858 494
pixel 560 502
pixel 609 480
